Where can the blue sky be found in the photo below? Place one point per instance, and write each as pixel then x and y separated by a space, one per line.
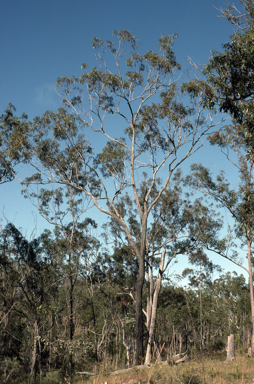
pixel 43 40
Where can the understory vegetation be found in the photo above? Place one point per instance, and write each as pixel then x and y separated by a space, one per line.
pixel 42 325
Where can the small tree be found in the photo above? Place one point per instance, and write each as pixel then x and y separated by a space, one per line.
pixel 34 278
pixel 72 240
pixel 201 278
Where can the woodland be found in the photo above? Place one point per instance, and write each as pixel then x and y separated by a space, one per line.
pixel 85 295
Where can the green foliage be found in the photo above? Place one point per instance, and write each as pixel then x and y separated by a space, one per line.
pixel 9 369
pixel 51 378
pixel 111 161
pixel 225 302
pixel 203 274
pixel 231 72
pixel 158 124
pixel 200 88
pixel 191 378
pixel 14 143
pixel 239 203
pixel 131 175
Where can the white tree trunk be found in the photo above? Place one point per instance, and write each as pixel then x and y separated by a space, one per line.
pixel 154 313
pixel 150 289
pixel 251 296
pixel 231 348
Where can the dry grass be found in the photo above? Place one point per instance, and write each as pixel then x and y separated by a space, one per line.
pixel 209 370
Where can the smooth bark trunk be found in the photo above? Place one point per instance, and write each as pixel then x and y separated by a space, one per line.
pixel 157 350
pixel 231 348
pixel 251 295
pixel 154 313
pixel 139 313
pixel 71 325
pixel 127 346
pixel 150 289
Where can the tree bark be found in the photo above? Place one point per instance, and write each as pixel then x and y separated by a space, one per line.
pixel 33 360
pixel 127 346
pixel 6 321
pixel 231 348
pixel 154 313
pixel 71 325
pixel 50 345
pixel 39 360
pixel 251 295
pixel 139 312
pixel 180 343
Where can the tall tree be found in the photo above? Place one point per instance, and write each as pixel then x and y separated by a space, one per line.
pixel 231 75
pixel 159 132
pixel 239 202
pixel 231 72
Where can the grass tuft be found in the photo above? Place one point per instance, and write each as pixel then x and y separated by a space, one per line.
pixel 209 370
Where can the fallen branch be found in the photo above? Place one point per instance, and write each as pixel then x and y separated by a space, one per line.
pixel 185 358
pixel 180 358
pixel 115 372
pixel 129 369
pixel 172 361
pixel 86 373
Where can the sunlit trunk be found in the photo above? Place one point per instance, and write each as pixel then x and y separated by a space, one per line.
pixel 251 295
pixel 154 313
pixel 139 313
pixel 71 327
pixel 231 348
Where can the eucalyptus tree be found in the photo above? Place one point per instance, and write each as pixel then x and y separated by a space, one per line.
pixel 73 246
pixel 9 297
pixel 232 307
pixel 230 79
pixel 33 284
pixel 178 226
pixel 239 201
pixel 231 72
pixel 201 278
pixel 14 130
pixel 141 127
